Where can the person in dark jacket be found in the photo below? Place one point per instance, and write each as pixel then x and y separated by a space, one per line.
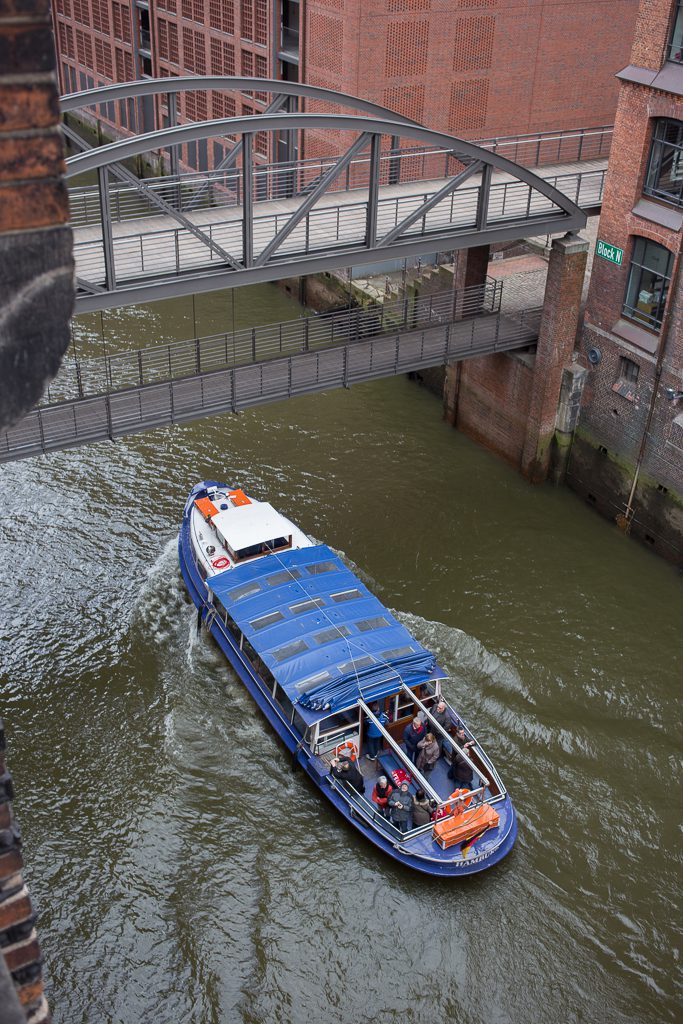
pixel 422 811
pixel 443 717
pixel 346 770
pixel 412 734
pixel 460 770
pixel 401 805
pixel 380 794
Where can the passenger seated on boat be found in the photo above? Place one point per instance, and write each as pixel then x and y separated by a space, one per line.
pixel 345 769
pixel 422 811
pixel 412 734
pixel 443 717
pixel 401 804
pixel 429 753
pixel 459 770
pixel 380 794
pixel 372 733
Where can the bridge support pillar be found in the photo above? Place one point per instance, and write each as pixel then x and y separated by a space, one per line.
pixel 556 339
pixel 470 268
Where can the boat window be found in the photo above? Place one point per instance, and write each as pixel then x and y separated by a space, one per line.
pixel 284 702
pixel 405 706
pixel 289 650
pixel 320 567
pixel 365 625
pixel 314 680
pixel 266 620
pixel 326 636
pixel 306 606
pixel 245 591
pixel 356 664
pixel 278 542
pixel 249 650
pixel 282 577
pixel 341 720
pixel 346 595
pixel 220 610
pixel 300 725
pixel 397 652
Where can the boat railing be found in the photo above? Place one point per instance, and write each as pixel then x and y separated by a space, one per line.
pixel 368 810
pixel 401 754
pixel 446 736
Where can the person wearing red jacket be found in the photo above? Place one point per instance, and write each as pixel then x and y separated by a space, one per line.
pixel 381 793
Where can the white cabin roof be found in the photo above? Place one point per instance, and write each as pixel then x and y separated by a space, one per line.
pixel 255 523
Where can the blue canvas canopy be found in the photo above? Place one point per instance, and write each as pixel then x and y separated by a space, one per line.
pixel 325 638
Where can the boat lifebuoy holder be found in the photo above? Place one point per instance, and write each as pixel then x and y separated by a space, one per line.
pixel 347 749
pixel 221 563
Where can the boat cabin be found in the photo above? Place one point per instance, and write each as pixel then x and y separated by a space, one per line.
pixel 228 529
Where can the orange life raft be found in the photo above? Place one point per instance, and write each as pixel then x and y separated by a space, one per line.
pixel 464 824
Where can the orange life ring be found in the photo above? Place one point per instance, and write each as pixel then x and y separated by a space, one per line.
pixel 461 792
pixel 350 746
pixel 221 563
pixel 460 805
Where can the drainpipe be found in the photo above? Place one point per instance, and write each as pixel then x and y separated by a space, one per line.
pixel 625 519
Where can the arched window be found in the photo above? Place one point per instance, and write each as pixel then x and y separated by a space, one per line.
pixel 664 178
pixel 648 283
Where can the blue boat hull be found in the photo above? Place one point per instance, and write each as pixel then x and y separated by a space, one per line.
pixel 489 851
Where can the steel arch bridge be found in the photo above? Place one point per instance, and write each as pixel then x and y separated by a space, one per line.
pixel 351 210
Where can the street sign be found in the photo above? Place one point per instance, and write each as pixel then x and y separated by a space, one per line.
pixel 609 252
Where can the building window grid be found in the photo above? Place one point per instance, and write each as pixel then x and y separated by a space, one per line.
pixel 664 178
pixel 675 49
pixel 648 283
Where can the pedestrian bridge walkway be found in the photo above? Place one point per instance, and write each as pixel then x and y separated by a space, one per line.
pixel 117 395
pixel 148 246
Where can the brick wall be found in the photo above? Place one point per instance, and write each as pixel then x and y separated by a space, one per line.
pixel 21 952
pixel 493 403
pixel 98 44
pixel 475 68
pixel 615 418
pixel 36 267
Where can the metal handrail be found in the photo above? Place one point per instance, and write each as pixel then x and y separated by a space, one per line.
pixel 402 756
pixel 443 732
pixel 185 358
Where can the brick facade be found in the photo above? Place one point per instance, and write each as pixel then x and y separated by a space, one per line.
pixel 21 983
pixel 475 68
pixel 628 430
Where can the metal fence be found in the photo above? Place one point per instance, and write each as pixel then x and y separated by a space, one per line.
pixel 241 387
pixel 174 251
pixel 274 181
pixel 84 378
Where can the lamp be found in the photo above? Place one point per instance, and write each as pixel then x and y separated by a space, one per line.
pixel 672 394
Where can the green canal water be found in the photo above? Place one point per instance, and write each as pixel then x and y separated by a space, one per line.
pixel 183 873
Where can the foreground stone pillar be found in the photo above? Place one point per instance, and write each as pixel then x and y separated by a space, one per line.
pixel 36 261
pixel 556 339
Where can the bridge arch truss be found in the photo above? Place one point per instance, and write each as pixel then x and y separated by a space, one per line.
pixel 351 210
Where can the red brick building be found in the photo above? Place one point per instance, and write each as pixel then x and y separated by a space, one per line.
pixel 627 457
pixel 476 68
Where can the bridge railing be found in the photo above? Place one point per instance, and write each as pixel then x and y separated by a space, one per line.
pixel 174 251
pixel 83 378
pixel 555 147
pixel 241 387
pixel 273 181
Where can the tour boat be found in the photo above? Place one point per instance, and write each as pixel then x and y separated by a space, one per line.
pixel 323 659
